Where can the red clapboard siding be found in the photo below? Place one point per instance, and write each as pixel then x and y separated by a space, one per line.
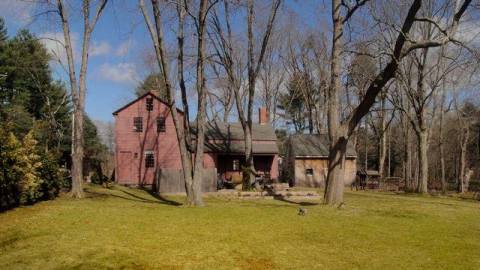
pixel 131 146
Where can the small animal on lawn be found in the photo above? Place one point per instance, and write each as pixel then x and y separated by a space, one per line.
pixel 302 211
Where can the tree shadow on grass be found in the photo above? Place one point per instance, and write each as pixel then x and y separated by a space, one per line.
pixel 157 199
pixel 412 197
pixel 281 198
pixel 9 240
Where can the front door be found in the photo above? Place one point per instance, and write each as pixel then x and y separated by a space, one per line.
pixel 125 172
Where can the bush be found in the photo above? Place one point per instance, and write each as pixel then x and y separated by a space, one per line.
pixel 474 186
pixel 27 175
pixel 28 165
pixel 52 178
pixel 9 177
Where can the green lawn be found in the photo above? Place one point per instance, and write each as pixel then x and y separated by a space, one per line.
pixel 130 229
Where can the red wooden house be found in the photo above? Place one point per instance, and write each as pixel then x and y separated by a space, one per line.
pixel 146 143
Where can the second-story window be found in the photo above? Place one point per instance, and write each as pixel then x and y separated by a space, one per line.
pixel 161 124
pixel 149 104
pixel 138 124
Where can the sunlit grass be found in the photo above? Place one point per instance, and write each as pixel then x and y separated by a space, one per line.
pixel 128 228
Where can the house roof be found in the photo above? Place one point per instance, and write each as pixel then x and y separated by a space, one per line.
pixel 234 131
pixel 142 96
pixel 222 137
pixel 314 145
pixel 238 147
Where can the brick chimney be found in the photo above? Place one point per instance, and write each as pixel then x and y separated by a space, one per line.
pixel 263 116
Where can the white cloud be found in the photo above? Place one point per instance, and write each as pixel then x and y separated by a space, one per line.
pixel 123 48
pixel 100 48
pixel 19 11
pixel 119 73
pixel 55 44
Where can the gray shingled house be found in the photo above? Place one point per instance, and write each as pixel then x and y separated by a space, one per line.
pixel 306 163
pixel 225 143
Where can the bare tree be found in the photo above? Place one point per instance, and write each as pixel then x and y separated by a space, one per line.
pixel 224 51
pixel 306 82
pixel 78 84
pixel 340 131
pixel 272 76
pixel 192 168
pixel 465 116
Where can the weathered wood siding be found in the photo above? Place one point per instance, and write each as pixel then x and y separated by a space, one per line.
pixel 171 181
pixel 320 170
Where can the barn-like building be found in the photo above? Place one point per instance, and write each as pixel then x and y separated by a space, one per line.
pixel 306 163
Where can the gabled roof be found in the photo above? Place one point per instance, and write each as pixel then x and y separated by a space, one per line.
pixel 234 131
pixel 314 145
pixel 228 138
pixel 238 147
pixel 141 97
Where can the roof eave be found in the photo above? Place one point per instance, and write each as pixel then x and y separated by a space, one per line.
pixel 142 96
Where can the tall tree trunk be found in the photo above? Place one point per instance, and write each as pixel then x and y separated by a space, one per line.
pixel 249 170
pixel 198 176
pixel 389 145
pixel 338 141
pixel 407 157
pixel 366 144
pixel 382 153
pixel 441 144
pixel 78 89
pixel 463 159
pixel 310 119
pixel 422 148
pixel 253 70
pixel 156 34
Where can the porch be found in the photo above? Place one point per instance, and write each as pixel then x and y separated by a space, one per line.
pixel 229 167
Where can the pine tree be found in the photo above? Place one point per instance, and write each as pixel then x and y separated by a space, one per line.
pixel 3 31
pixel 152 83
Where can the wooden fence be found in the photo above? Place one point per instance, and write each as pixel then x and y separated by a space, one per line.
pixel 171 181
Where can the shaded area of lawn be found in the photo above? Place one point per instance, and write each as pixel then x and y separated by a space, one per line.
pixel 133 229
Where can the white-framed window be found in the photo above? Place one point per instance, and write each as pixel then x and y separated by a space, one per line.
pixel 138 124
pixel 309 172
pixel 236 165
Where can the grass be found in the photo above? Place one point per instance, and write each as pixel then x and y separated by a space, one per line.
pixel 131 229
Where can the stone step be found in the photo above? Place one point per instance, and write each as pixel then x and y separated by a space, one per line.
pixel 296 193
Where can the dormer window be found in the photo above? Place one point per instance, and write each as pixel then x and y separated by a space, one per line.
pixel 149 104
pixel 138 124
pixel 160 124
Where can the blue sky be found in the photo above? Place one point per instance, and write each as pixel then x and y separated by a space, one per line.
pixel 119 47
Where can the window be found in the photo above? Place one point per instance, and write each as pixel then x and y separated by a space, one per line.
pixel 149 104
pixel 138 124
pixel 236 165
pixel 135 155
pixel 149 159
pixel 161 124
pixel 309 172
